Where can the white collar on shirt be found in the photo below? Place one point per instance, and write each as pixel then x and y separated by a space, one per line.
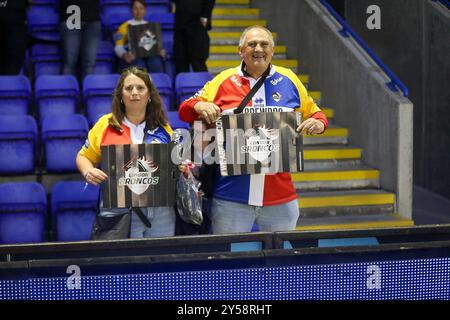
pixel 135 22
pixel 136 131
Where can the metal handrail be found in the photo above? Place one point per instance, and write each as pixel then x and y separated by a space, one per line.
pixel 444 2
pixel 346 31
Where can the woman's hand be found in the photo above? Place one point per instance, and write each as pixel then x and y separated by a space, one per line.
pixel 95 176
pixel 185 167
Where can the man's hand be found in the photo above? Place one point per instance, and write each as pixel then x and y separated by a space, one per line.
pixel 204 21
pixel 163 53
pixel 311 126
pixel 207 111
pixel 128 57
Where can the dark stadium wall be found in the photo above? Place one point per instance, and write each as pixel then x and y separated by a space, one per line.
pixel 413 41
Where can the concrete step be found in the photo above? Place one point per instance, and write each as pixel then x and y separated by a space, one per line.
pixel 235 13
pixel 225 49
pixel 341 179
pixel 380 220
pixel 232 4
pixel 230 52
pixel 229 37
pixel 235 25
pixel 349 203
pixel 332 164
pixel 328 112
pixel 333 135
pixel 217 66
pixel 331 152
pixel 304 78
pixel 316 95
pixel 237 59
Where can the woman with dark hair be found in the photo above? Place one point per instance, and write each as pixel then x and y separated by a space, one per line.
pixel 137 117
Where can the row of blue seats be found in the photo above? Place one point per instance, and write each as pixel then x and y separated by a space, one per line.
pixel 57 95
pixel 61 138
pixel 46 59
pixel 23 211
pixel 43 19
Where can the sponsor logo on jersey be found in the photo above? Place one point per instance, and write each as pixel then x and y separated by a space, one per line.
pixel 276 81
pixel 259 103
pixel 236 81
pixel 276 96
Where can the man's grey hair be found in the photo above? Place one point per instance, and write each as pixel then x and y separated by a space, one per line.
pixel 244 34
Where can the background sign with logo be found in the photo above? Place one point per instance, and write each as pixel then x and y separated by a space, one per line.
pixel 143 39
pixel 253 143
pixel 140 175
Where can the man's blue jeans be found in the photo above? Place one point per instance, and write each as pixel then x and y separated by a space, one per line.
pixel 80 42
pixel 230 217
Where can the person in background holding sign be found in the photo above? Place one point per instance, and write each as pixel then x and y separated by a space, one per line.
pixel 137 117
pixel 154 62
pixel 270 200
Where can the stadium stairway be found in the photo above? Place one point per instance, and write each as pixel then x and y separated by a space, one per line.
pixel 336 190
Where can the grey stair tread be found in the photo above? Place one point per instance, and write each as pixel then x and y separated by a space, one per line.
pixel 237 58
pixel 330 220
pixel 331 193
pixel 330 146
pixel 331 164
pixel 356 167
pixel 235 16
pixel 225 41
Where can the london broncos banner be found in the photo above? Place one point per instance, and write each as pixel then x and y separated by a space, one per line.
pixel 143 39
pixel 139 175
pixel 253 143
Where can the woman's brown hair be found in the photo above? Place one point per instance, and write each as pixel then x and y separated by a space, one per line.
pixel 154 113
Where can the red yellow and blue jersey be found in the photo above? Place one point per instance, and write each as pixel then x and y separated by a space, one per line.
pixel 282 91
pixel 103 134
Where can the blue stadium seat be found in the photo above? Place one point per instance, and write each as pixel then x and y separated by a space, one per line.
pixel 175 122
pixel 165 19
pixel 15 95
pixel 56 95
pixel 62 138
pixel 74 209
pixel 164 85
pixel 159 6
pixel 44 2
pixel 18 138
pixel 169 65
pixel 46 59
pixel 106 58
pixel 112 16
pixel 23 207
pixel 43 23
pixel 188 83
pixel 98 91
